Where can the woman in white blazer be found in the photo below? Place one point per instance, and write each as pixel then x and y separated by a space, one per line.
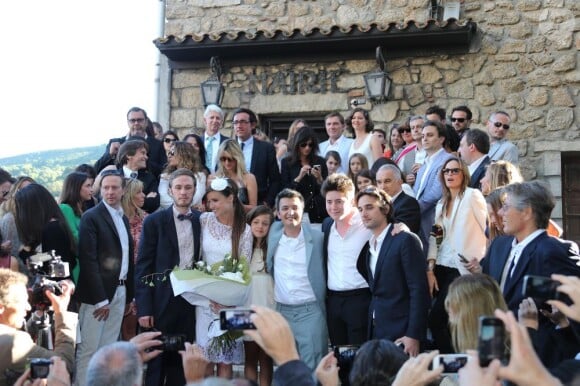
pixel 458 234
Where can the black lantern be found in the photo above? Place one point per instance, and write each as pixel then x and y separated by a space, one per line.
pixel 212 91
pixel 378 83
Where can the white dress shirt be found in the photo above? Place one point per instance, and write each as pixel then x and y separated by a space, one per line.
pixel 247 148
pixel 291 283
pixel 375 244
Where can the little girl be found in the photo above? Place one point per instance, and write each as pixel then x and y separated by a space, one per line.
pixel 333 162
pixel 261 292
pixel 356 163
pixel 364 178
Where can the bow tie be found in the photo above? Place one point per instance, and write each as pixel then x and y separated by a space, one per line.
pixel 187 216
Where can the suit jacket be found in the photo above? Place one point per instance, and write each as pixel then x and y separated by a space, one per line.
pixel 343 149
pixel 264 167
pixel 16 346
pixel 293 373
pixel 429 194
pixel 466 232
pixel 400 298
pixel 100 257
pixel 479 173
pixel 155 163
pixel 150 184
pixel 408 212
pixel 159 253
pixel 543 256
pixel 313 239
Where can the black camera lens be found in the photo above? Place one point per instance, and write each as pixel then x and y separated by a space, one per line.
pixel 172 342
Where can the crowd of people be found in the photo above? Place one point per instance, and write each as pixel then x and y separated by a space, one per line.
pixel 390 243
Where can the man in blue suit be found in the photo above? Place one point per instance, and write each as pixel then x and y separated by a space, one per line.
pixel 396 272
pixel 260 156
pixel 213 119
pixel 529 250
pixel 427 186
pixel 169 238
pixel 295 261
pixel 334 124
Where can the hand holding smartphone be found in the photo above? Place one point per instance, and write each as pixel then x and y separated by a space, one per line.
pixel 491 341
pixel 236 319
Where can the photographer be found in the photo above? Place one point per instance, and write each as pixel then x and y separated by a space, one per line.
pixel 16 346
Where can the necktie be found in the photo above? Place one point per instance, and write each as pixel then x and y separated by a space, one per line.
pixel 133 174
pixel 209 153
pixel 243 145
pixel 508 268
pixel 187 216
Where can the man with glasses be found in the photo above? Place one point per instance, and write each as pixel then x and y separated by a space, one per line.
pixel 137 121
pixel 501 149
pixel 259 156
pixel 461 119
pixel 213 119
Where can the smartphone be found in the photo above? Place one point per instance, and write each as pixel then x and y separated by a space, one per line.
pixel 463 258
pixel 491 341
pixel 543 288
pixel 451 362
pixel 317 167
pixel 345 355
pixel 236 319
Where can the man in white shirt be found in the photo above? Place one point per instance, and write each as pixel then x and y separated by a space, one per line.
pixel 213 119
pixel 295 261
pixel 500 148
pixel 334 123
pixel 106 271
pixel 473 149
pixel 348 297
pixel 395 270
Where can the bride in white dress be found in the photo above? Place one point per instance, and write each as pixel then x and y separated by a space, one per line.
pixel 223 230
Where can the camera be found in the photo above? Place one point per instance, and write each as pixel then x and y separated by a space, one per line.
pixel 451 362
pixel 171 342
pixel 44 267
pixel 491 341
pixel 39 367
pixel 345 358
pixel 542 288
pixel 358 101
pixel 236 319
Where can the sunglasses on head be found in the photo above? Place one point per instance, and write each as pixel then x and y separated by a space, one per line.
pixel 460 120
pixel 169 140
pixel 309 144
pixel 499 124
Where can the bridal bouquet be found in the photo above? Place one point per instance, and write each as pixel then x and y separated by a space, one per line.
pixel 225 282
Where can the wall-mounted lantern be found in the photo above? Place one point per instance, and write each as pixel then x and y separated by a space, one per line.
pixel 212 91
pixel 378 83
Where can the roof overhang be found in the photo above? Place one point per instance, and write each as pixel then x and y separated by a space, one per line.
pixel 354 42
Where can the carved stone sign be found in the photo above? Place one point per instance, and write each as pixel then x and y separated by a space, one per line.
pixel 294 82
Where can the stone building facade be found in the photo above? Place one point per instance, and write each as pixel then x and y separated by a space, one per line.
pixel 523 59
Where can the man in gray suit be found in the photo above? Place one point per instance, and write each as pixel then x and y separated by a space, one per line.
pixel 295 262
pixel 334 123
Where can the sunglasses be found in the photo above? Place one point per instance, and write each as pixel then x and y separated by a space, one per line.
pixel 309 144
pixel 451 171
pixel 4 193
pixel 405 130
pixel 171 153
pixel 169 140
pixel 460 120
pixel 228 159
pixel 499 124
pixel 136 120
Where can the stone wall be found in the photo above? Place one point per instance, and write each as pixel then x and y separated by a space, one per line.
pixel 525 62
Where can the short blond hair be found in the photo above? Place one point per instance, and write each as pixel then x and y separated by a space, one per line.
pixel 8 279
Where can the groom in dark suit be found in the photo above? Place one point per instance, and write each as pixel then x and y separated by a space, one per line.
pixel 396 272
pixel 106 271
pixel 170 238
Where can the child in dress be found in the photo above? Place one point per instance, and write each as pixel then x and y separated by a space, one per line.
pixel 333 162
pixel 262 292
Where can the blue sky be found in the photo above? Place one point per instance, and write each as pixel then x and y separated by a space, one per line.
pixel 71 69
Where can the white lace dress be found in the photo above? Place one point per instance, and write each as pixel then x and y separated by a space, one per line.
pixel 216 242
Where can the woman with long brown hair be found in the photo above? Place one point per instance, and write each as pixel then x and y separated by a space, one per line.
pixel 224 232
pixel 460 218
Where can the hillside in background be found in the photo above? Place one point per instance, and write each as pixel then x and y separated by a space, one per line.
pixel 50 167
